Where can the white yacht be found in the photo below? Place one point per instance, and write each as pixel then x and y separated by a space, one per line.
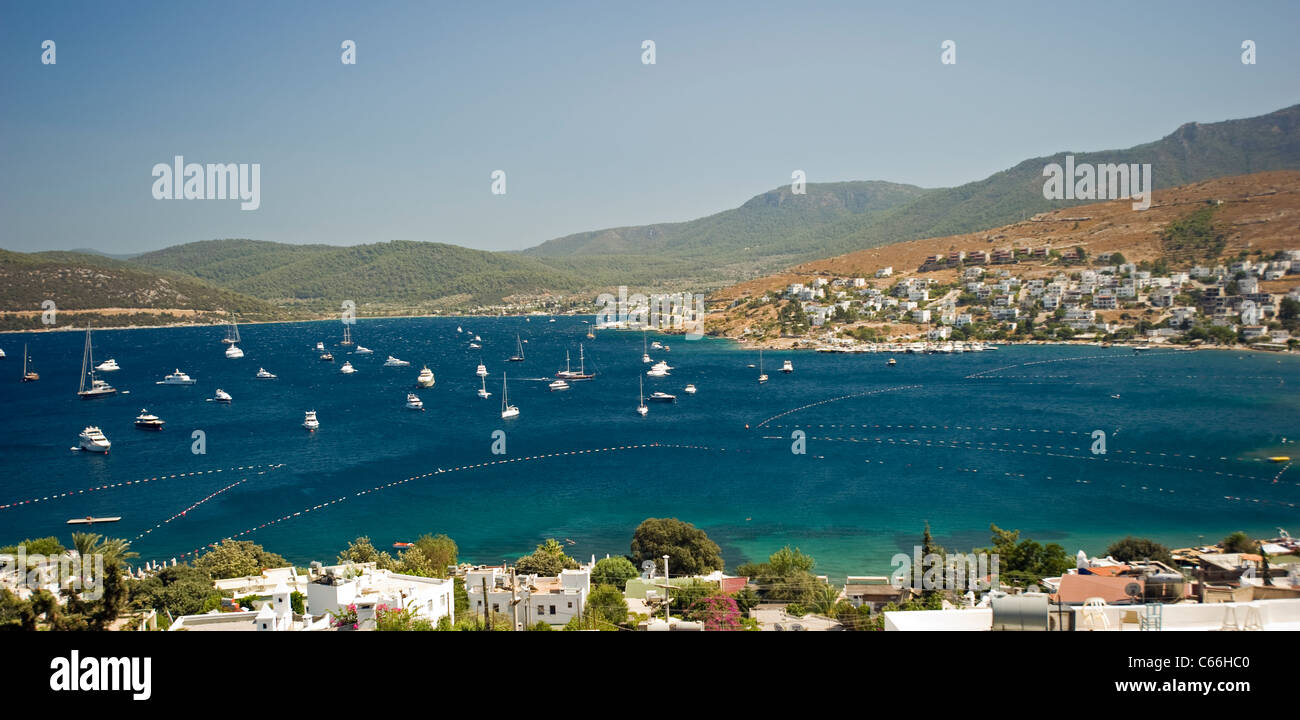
pixel 786 367
pixel 320 346
pixel 657 372
pixel 92 439
pixel 177 378
pixel 394 362
pixel 347 368
pixel 425 379
pixel 507 410
pixel 458 329
pixel 363 351
pixel 645 351
pixel 641 407
pixel 658 396
pixel 221 396
pixel 568 373
pixel 262 374
pixel 109 365
pixel 762 376
pixel 413 402
pixel 310 422
pixel 656 345
pixel 475 346
pixel 233 352
pixel 559 385
pixel 483 391
pixel 662 365
pixel 689 390
pixel 147 421
pixel 481 371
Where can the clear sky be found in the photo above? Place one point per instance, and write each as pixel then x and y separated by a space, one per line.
pixel 402 144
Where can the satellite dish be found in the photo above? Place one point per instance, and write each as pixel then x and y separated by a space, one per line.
pixel 648 565
pixel 1134 591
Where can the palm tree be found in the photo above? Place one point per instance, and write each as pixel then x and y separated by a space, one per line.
pixel 112 550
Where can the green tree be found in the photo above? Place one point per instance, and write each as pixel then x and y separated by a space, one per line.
pixel 606 604
pixel 362 550
pixel 614 571
pixel 440 550
pixel 237 558
pixel 689 549
pixel 1238 542
pixel 785 577
pixel 1134 548
pixel 1025 561
pixel 547 560
pixel 47 546
pixel 178 590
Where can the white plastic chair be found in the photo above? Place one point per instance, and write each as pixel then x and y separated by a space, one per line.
pixel 1094 614
pixel 1253 619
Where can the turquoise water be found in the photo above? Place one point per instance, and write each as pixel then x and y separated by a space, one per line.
pixel 959 440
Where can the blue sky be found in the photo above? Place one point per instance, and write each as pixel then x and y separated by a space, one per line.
pixel 402 145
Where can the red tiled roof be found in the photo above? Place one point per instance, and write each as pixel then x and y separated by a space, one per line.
pixel 1077 588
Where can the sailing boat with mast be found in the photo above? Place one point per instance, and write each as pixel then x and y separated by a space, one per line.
pixel 232 337
pixel 762 376
pixel 28 375
pixel 641 408
pixel 645 350
pixel 507 410
pixel 97 388
pixel 568 374
pixel 519 350
pixel 483 391
pixel 347 335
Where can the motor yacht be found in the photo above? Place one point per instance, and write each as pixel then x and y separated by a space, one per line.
pixel 327 357
pixel 221 396
pixel 233 352
pixel 92 440
pixel 146 421
pixel 481 371
pixel 347 368
pixel 394 362
pixel 425 378
pixel 413 402
pixel 177 378
pixel 262 374
pixel 109 365
pixel 786 367
pixel 658 396
pixel 689 390
pixel 310 422
pixel 559 385
pixel 363 351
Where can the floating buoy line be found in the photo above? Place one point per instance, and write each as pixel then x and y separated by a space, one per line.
pixel 835 399
pixel 440 471
pixel 113 486
pixel 186 511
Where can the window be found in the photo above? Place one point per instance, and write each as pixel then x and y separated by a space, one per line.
pixel 496 607
pixel 552 609
pixel 541 609
pixel 570 604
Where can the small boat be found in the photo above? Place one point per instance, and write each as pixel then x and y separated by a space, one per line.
pixel 310 422
pixel 262 374
pixel 177 378
pixel 458 329
pixel 1280 458
pixel 233 352
pixel 558 385
pixel 481 371
pixel 658 396
pixel 92 440
pixel 347 335
pixel 363 351
pixel 320 346
pixel 657 372
pixel 403 545
pixel 551 320
pixel 347 368
pixel 641 406
pixel 478 339
pixel 689 390
pixel 145 421
pixel 327 357
pixel 519 351
pixel 483 391
pixel 91 520
pixel 656 345
pixel 475 346
pixel 892 362
pixel 762 376
pixel 109 365
pixel 645 351
pixel 413 402
pixel 28 374
pixel 425 378
pixel 394 362
pixel 96 388
pixel 221 396
pixel 786 367
pixel 662 365
pixel 507 410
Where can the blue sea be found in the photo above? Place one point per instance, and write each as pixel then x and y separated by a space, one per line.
pixel 961 441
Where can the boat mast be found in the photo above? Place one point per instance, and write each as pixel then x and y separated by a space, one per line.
pixel 86 356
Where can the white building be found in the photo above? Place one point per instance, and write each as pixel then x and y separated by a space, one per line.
pixel 554 600
pixel 363 585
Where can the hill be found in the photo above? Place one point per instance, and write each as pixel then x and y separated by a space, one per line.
pixel 323 276
pixel 102 291
pixel 776 229
pixel 1203 222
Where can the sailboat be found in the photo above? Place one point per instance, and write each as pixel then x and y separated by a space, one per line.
pixel 483 391
pixel 645 351
pixel 232 333
pixel 641 406
pixel 28 375
pixel 347 334
pixel 762 376
pixel 507 410
pixel 591 332
pixel 98 388
pixel 519 351
pixel 568 374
